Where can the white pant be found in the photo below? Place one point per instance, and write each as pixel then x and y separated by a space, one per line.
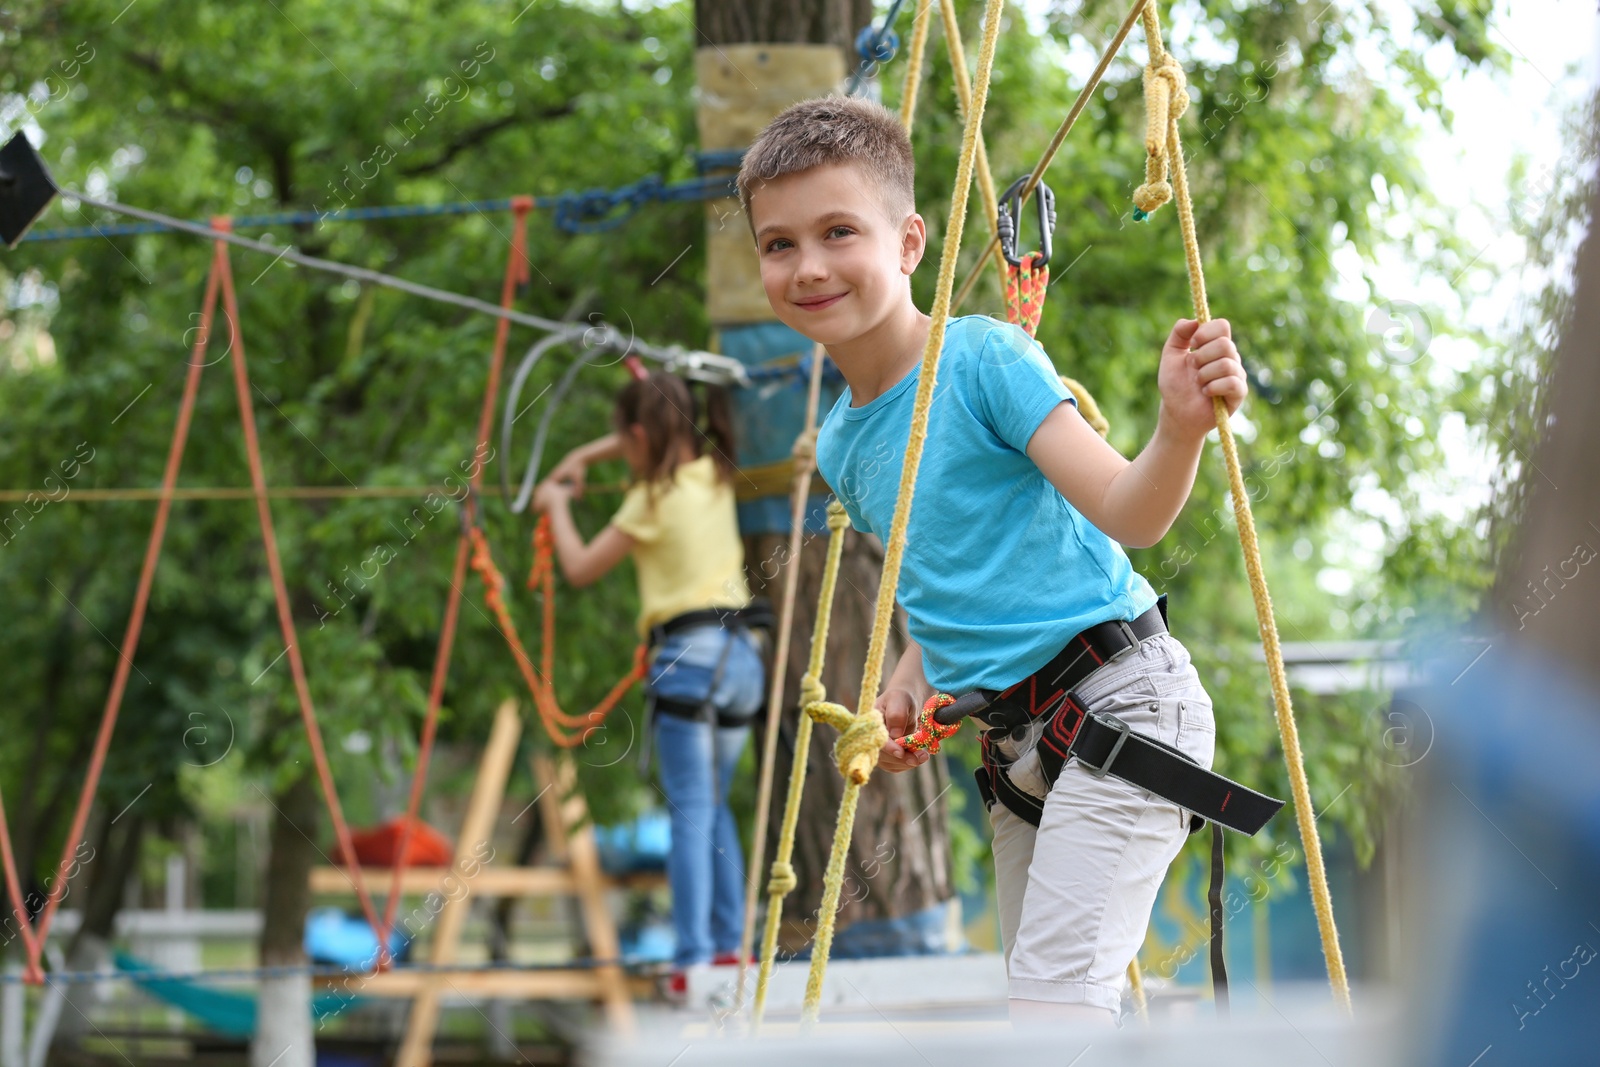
pixel 1076 892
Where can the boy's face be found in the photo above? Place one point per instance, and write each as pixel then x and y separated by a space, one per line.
pixel 833 262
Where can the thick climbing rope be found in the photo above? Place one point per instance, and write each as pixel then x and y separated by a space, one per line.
pixel 541 683
pixel 963 83
pixel 919 45
pixel 805 462
pixel 863 734
pixel 1166 100
pixel 812 694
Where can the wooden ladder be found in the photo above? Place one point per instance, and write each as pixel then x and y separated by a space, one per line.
pixel 577 874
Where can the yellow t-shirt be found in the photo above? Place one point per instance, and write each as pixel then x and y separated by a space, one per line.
pixel 687 552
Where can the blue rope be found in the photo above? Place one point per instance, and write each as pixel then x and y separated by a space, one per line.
pixel 875 46
pixel 587 212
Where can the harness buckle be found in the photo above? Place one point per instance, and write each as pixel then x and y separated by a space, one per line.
pixel 1132 638
pixel 1122 729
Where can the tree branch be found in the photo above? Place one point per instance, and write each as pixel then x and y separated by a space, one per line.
pixel 479 134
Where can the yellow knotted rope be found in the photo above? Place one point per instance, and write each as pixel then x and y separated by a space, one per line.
pixel 812 693
pixel 804 454
pixel 857 750
pixel 1165 99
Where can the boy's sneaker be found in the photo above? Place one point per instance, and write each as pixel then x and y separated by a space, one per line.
pixel 725 959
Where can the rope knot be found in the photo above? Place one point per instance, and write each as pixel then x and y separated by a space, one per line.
pixel 929 733
pixel 811 690
pixel 856 750
pixel 783 880
pixel 830 714
pixel 838 519
pixel 1166 97
pixel 1170 71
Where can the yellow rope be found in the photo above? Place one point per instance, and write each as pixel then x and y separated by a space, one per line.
pixel 919 44
pixel 856 759
pixel 1141 1005
pixel 804 455
pixel 986 187
pixel 1165 97
pixel 811 692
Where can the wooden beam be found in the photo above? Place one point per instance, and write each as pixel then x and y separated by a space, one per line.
pixel 509 983
pixel 488 793
pixel 486 882
pixel 584 856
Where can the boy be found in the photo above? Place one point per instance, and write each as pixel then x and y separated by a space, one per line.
pixel 1014 582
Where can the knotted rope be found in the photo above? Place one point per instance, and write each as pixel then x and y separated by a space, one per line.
pixel 1165 101
pixel 1166 98
pixel 804 456
pixel 851 753
pixel 812 694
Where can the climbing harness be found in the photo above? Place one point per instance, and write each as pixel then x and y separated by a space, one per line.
pixel 1027 276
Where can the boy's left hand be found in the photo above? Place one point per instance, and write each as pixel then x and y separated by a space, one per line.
pixel 1199 362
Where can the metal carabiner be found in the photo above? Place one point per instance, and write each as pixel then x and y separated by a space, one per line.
pixel 1010 210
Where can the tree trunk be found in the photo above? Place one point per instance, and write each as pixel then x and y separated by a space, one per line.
pixel 782 22
pixel 900 851
pixel 899 854
pixel 116 853
pixel 283 1035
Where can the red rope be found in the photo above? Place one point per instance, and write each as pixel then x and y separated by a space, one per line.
pixel 33 939
pixel 220 278
pixel 280 594
pixel 516 273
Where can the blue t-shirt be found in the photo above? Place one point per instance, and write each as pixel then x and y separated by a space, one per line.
pixel 999 571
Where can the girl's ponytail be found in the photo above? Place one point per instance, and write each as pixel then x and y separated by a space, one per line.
pixel 717 429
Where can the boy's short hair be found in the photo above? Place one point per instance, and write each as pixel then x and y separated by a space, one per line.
pixel 834 129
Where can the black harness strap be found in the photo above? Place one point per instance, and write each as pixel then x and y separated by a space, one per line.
pixel 1105 745
pixel 1219 966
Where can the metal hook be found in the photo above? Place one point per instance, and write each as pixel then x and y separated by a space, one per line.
pixel 1009 220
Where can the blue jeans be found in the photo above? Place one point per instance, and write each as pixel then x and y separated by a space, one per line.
pixel 706 864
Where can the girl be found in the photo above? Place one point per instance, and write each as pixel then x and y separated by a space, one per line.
pixel 707 679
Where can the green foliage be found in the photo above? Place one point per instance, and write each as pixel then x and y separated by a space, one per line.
pixel 197 107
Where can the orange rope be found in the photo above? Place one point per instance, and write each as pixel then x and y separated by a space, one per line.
pixel 1025 292
pixel 557 722
pixel 930 734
